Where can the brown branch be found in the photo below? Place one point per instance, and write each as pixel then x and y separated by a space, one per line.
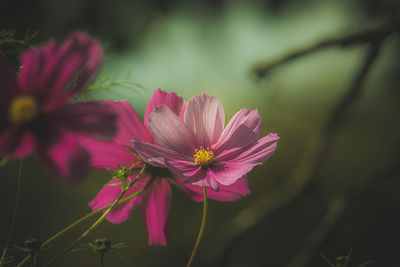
pixel 262 69
pixel 306 171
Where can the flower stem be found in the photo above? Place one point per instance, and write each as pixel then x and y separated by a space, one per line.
pixel 88 216
pixel 202 227
pixel 14 215
pixel 102 258
pixel 101 219
pixel 34 259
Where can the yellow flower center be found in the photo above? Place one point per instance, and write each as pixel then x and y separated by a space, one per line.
pixel 203 157
pixel 22 109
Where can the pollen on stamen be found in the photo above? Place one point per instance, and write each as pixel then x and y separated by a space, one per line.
pixel 203 157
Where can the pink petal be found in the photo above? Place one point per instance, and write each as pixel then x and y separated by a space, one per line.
pixel 109 193
pixel 206 117
pixel 55 73
pixel 129 124
pixel 122 212
pixel 26 145
pixel 154 154
pixel 209 180
pixel 231 192
pixel 66 158
pixel 242 130
pixel 213 183
pixel 225 173
pixel 169 131
pixel 160 97
pixel 181 113
pixel 229 172
pixel 155 210
pixel 87 118
pixel 108 154
pixel 185 168
pixel 16 142
pixel 259 152
pixel 105 154
pixel 33 61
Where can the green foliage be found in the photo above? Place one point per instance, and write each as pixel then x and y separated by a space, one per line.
pixel 11 45
pixel 8 37
pixel 103 245
pixel 107 86
pixel 121 173
pixel 343 261
pixel 6 261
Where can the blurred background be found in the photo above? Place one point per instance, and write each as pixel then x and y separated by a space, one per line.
pixel 331 187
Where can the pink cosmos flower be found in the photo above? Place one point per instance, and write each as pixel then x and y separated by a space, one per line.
pixel 200 148
pixel 156 199
pixel 36 114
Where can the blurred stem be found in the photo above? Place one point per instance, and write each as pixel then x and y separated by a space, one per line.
pixel 17 196
pixel 34 259
pixel 335 211
pixel 102 258
pixel 367 36
pixel 202 228
pixel 305 173
pixel 338 207
pixel 93 213
pixel 101 219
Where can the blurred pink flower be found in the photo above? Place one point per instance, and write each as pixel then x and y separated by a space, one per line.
pixel 156 199
pixel 34 108
pixel 200 148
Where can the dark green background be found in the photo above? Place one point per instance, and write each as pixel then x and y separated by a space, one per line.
pixel 210 46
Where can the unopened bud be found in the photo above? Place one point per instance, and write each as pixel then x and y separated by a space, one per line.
pixel 33 244
pixel 103 243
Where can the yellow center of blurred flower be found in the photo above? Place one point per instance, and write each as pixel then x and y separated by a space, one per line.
pixel 23 109
pixel 203 157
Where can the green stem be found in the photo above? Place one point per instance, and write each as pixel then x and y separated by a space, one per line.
pixel 34 259
pixel 84 218
pixel 101 219
pixel 202 228
pixel 102 258
pixel 17 196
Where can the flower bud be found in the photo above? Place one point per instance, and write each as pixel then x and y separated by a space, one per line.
pixel 103 243
pixel 33 244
